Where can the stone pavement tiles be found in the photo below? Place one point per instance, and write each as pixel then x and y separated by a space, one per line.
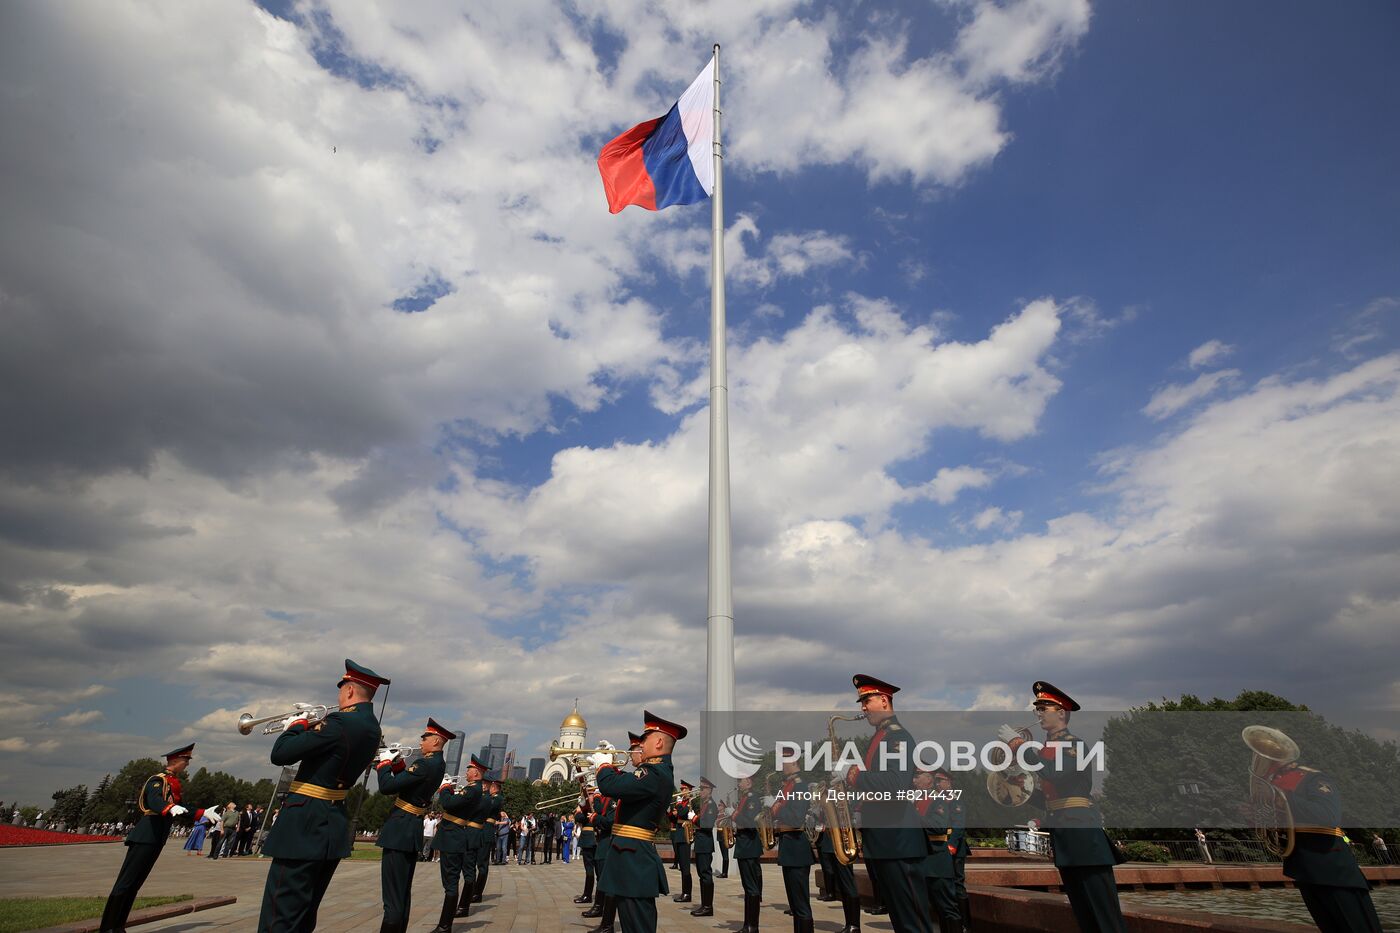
pixel 518 897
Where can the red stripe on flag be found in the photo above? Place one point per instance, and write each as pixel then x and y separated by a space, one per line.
pixel 625 178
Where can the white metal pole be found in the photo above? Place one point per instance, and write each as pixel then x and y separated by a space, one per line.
pixel 719 694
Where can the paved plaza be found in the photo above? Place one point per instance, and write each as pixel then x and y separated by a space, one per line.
pixel 520 898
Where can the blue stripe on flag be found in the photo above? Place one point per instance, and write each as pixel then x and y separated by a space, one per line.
pixel 666 157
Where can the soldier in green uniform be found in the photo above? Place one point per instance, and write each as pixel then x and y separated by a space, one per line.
pixel 312 832
pixel 938 864
pixel 891 833
pixel 604 904
pixel 456 840
pixel 160 804
pixel 1083 853
pixel 748 849
pixel 957 843
pixel 492 798
pixel 680 843
pixel 706 812
pixel 587 845
pixel 633 872
pixel 839 883
pixel 789 811
pixel 1322 865
pixel 401 838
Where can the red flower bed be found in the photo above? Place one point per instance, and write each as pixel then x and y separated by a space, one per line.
pixel 24 836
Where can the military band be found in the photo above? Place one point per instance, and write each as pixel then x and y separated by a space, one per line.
pixel 159 802
pixel 914 845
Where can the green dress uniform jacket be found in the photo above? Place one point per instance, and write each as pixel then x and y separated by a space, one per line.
pixel 633 869
pixel 957 837
pixel 790 814
pixel 333 753
pixel 1320 855
pixel 1322 863
pixel 415 786
pixel 159 793
pixel 1072 817
pixel 889 828
pixel 746 841
pixel 939 861
pixel 587 835
pixel 454 838
pixel 705 816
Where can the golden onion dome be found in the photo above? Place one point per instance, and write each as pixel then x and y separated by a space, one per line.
pixel 574 720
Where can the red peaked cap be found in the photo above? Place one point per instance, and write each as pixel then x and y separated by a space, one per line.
pixel 866 685
pixel 478 764
pixel 433 728
pixel 657 724
pixel 634 738
pixel 1046 692
pixel 362 675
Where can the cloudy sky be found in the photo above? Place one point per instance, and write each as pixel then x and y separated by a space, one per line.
pixel 1065 344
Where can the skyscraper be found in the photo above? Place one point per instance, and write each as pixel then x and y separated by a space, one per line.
pixel 452 754
pixel 536 769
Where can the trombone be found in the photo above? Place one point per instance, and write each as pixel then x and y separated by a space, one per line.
pixel 311 712
pixel 561 751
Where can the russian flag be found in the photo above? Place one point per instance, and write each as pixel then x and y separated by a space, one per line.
pixel 669 160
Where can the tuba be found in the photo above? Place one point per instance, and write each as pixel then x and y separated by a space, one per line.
pixel 836 814
pixel 767 832
pixel 1269 810
pixel 1013 786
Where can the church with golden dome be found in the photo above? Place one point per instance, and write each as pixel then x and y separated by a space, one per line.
pixel 573 733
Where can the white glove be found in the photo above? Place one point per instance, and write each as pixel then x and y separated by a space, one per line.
pixel 690 814
pixel 598 759
pixel 178 810
pixel 388 756
pixel 769 800
pixel 1007 734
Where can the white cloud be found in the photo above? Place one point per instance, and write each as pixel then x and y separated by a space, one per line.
pixel 748 260
pixel 1208 353
pixel 1021 40
pixel 950 481
pixel 1171 399
pixel 80 718
pixel 993 518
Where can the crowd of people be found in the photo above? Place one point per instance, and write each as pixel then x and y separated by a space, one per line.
pixel 229 831
pixel 529 839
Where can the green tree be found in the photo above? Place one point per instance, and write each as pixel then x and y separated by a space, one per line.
pixel 118 800
pixel 90 811
pixel 69 805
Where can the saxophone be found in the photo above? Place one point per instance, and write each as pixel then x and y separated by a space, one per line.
pixel 836 814
pixel 767 833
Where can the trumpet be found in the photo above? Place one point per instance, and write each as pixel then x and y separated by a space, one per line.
pixel 562 751
pixel 309 711
pixel 767 832
pixel 392 750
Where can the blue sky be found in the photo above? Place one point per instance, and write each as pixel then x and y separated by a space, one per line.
pixel 1062 346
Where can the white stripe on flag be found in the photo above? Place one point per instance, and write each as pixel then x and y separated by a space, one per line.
pixel 696 108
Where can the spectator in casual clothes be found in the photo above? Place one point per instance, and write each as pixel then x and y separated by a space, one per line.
pixel 230 818
pixel 195 844
pixel 1382 851
pixel 502 839
pixel 430 825
pixel 566 838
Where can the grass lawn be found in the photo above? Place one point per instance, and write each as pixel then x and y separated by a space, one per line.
pixel 35 913
pixel 363 852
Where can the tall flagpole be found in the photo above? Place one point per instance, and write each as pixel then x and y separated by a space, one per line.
pixel 719 694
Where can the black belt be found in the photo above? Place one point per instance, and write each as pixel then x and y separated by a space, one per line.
pixel 708 832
